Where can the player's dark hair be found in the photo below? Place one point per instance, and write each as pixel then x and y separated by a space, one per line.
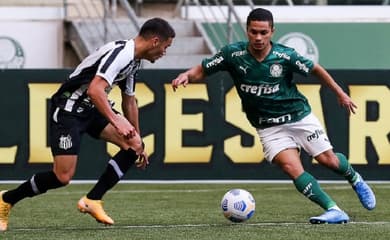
pixel 260 14
pixel 157 26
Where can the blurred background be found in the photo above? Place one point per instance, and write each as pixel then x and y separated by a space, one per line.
pixel 59 33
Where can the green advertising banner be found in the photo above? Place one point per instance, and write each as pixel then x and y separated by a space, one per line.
pixel 198 132
pixel 340 45
pixel 354 45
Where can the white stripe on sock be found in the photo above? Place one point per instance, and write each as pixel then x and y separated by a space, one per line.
pixel 117 170
pixel 34 185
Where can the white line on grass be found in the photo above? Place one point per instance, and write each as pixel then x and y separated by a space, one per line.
pixel 205 190
pixel 139 191
pixel 210 181
pixel 187 226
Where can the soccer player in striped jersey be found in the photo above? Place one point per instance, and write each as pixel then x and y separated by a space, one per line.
pixel 81 106
pixel 262 72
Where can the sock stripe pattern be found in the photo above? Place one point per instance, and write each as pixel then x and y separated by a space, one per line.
pixel 34 185
pixel 116 168
pixel 37 184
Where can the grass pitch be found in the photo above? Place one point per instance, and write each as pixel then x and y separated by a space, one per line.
pixel 192 211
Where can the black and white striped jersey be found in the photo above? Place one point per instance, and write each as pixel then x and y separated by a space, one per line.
pixel 113 61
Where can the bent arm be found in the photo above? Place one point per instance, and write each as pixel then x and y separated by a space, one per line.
pixel 343 99
pixel 130 110
pixel 98 96
pixel 326 79
pixel 195 74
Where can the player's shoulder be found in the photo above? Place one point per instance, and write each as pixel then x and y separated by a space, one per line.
pixel 236 49
pixel 282 51
pixel 126 43
pixel 233 47
pixel 282 48
pixel 124 48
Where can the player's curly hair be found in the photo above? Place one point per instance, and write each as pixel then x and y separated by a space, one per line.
pixel 157 26
pixel 260 14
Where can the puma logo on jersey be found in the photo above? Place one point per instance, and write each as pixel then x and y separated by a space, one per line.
pixel 243 68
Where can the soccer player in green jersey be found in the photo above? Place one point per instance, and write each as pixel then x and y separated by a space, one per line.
pixel 262 73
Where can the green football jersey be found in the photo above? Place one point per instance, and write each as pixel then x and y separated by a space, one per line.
pixel 268 95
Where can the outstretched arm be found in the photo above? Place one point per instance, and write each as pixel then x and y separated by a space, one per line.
pixel 343 99
pixel 195 74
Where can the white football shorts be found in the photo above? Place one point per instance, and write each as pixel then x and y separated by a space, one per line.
pixel 306 133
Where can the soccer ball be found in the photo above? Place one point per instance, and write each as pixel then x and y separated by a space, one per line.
pixel 238 205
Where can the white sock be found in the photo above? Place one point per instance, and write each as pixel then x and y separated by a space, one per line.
pixel 335 207
pixel 358 179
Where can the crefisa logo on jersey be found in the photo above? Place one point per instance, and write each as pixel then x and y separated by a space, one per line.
pixel 11 53
pixel 276 70
pixel 302 43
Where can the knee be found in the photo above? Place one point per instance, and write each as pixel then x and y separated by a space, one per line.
pixel 138 147
pixel 136 144
pixel 292 171
pixel 64 177
pixel 329 160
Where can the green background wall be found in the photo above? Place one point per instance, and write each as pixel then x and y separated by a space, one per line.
pixel 340 45
pixel 192 132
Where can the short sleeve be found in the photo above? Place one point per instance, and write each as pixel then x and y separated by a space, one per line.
pixel 300 64
pixel 128 86
pixel 112 63
pixel 216 63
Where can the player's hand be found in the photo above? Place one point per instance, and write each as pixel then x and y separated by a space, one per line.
pixel 124 127
pixel 346 102
pixel 143 160
pixel 182 79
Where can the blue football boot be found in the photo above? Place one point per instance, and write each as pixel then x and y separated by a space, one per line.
pixel 332 216
pixel 365 194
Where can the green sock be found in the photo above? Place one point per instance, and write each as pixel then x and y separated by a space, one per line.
pixel 308 186
pixel 345 169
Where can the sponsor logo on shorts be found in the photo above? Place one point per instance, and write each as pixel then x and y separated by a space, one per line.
pixel 65 142
pixel 315 135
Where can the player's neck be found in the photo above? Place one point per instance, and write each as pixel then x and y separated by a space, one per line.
pixel 140 47
pixel 260 55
